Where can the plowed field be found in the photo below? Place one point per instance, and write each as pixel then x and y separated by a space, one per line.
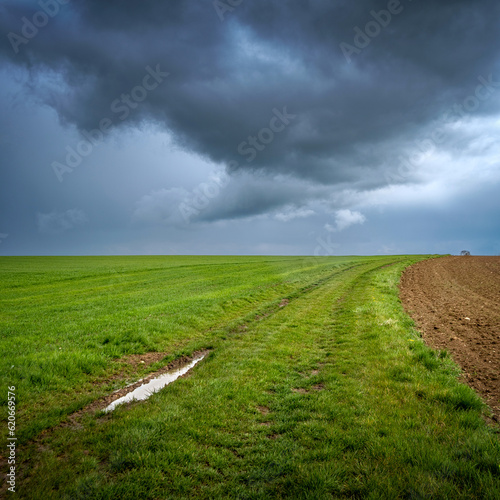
pixel 455 302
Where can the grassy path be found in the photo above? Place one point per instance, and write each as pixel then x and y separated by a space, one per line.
pixel 331 396
pixel 67 323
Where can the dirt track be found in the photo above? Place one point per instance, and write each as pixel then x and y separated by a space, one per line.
pixel 455 302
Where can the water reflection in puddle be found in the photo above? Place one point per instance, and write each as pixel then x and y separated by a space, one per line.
pixel 154 385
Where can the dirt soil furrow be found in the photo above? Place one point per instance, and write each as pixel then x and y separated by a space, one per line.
pixel 455 302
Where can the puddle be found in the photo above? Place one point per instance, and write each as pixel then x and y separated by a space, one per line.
pixel 154 385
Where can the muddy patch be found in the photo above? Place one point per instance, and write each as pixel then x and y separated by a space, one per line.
pixel 104 402
pixel 136 360
pixel 308 375
pixel 300 390
pixel 318 387
pixel 314 388
pixel 150 385
pixel 263 410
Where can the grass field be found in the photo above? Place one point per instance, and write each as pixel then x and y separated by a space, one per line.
pixel 316 385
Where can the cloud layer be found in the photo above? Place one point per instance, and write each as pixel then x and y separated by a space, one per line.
pixel 352 120
pixel 299 113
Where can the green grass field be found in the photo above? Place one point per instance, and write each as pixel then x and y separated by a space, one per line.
pixel 328 394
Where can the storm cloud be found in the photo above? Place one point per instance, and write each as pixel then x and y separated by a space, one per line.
pixel 309 108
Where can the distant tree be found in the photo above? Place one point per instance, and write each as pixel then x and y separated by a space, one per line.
pixel 465 252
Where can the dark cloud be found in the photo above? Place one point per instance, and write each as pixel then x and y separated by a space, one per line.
pixel 226 78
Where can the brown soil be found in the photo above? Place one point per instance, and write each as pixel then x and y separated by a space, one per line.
pixel 264 410
pixel 455 302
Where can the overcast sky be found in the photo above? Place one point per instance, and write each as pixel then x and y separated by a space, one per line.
pixel 299 127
